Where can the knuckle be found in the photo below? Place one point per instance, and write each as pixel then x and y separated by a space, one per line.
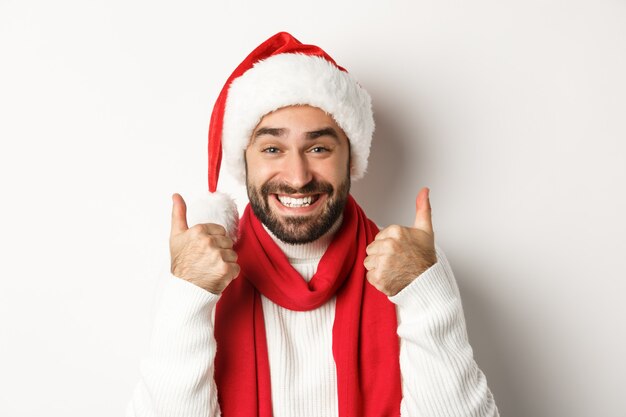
pixel 373 277
pixel 372 261
pixel 209 240
pixel 222 268
pixel 225 255
pixel 196 230
pixel 386 244
pixel 393 245
pixel 395 230
pixel 219 229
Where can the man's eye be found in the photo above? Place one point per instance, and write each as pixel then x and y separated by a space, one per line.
pixel 270 149
pixel 319 149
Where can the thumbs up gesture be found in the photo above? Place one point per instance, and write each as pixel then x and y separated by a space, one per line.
pixel 202 254
pixel 399 254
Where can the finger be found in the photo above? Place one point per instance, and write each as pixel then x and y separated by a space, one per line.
pixel 392 231
pixel 208 229
pixel 423 217
pixel 373 278
pixel 222 242
pixel 376 247
pixel 232 270
pixel 214 229
pixel 369 262
pixel 179 214
pixel 371 248
pixel 236 269
pixel 229 255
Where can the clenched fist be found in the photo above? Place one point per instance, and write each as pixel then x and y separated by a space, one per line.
pixel 202 254
pixel 399 254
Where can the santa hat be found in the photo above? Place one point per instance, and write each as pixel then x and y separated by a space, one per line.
pixel 278 73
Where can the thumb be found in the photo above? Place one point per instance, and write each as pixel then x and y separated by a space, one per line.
pixel 179 214
pixel 423 219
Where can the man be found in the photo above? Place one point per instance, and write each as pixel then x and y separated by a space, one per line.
pixel 309 309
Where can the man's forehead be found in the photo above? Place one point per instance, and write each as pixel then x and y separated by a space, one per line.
pixel 301 113
pixel 302 120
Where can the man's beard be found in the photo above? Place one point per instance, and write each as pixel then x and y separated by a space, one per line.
pixel 299 229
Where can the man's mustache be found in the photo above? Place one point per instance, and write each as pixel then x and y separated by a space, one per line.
pixel 313 187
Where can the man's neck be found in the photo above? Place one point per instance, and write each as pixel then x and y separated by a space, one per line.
pixel 304 252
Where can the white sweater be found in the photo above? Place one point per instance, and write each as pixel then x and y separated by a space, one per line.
pixel 439 375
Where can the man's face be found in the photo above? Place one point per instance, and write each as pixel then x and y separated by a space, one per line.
pixel 297 172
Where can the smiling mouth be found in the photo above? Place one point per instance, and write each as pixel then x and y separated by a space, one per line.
pixel 295 202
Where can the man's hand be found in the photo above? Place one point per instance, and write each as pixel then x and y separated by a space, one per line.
pixel 202 254
pixel 399 254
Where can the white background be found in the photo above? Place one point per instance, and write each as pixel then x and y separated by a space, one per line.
pixel 513 113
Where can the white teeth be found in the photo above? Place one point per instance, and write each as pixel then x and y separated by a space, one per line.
pixel 295 202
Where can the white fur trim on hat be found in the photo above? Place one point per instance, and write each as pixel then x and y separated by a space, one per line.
pixel 291 79
pixel 218 208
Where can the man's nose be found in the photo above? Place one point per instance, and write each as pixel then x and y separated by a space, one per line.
pixel 297 172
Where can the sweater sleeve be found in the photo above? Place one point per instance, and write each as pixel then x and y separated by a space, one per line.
pixel 439 375
pixel 176 376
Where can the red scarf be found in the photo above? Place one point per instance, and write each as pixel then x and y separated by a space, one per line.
pixel 365 341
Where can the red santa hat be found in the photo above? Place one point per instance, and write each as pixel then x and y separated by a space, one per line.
pixel 278 73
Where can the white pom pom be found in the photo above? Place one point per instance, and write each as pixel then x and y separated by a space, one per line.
pixel 218 208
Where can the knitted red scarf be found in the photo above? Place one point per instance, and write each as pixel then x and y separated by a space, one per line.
pixel 365 342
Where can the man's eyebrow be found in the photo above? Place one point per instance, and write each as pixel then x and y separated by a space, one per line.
pixel 272 131
pixel 275 131
pixel 327 131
